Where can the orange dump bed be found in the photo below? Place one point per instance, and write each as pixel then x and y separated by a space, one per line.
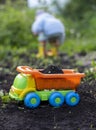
pixel 68 80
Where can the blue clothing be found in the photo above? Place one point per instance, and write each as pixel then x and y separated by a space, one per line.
pixel 48 25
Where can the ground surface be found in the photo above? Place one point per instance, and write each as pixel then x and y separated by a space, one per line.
pixel 14 116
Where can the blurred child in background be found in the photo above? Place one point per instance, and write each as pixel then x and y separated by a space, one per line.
pixel 49 30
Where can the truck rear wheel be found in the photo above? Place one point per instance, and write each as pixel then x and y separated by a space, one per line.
pixel 72 98
pixel 32 100
pixel 56 99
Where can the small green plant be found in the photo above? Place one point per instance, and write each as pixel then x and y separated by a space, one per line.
pixel 1 93
pixel 93 64
pixel 91 72
pixel 4 97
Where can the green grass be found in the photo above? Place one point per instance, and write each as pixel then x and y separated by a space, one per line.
pixel 72 46
pixel 18 55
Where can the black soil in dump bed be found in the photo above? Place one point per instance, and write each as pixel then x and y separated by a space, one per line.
pixel 52 69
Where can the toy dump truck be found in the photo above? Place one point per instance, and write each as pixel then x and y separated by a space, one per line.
pixel 32 86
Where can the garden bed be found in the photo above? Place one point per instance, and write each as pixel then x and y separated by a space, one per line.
pixel 14 115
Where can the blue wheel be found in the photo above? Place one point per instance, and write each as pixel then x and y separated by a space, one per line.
pixel 72 98
pixel 56 99
pixel 32 100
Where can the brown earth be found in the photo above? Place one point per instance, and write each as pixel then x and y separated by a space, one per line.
pixel 15 116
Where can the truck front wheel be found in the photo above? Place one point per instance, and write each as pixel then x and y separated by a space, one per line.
pixel 32 100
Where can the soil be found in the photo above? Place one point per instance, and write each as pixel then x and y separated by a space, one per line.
pixel 52 69
pixel 15 116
